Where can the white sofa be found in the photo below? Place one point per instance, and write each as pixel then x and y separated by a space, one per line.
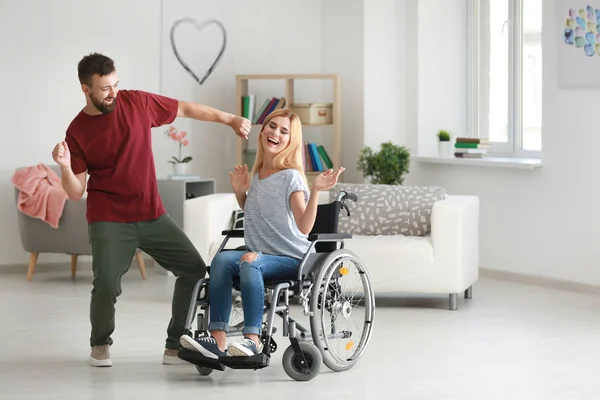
pixel 446 261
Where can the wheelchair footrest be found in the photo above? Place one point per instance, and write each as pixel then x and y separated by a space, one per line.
pixel 238 362
pixel 200 359
pixel 246 362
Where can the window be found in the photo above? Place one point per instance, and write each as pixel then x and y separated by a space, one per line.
pixel 505 104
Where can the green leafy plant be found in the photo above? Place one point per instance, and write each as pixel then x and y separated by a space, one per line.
pixel 443 136
pixel 387 166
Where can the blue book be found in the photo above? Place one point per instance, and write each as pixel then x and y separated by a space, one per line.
pixel 315 157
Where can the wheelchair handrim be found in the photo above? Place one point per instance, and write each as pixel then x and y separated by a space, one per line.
pixel 318 325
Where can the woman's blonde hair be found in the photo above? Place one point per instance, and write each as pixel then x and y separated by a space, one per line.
pixel 291 156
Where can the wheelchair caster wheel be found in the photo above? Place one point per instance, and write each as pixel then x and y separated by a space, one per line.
pixel 204 371
pixel 293 364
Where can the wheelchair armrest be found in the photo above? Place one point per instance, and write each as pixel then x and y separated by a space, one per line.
pixel 329 237
pixel 234 233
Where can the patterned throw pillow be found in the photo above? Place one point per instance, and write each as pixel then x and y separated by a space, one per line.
pixel 237 220
pixel 388 209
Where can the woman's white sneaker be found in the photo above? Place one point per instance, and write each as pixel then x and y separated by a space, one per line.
pixel 207 346
pixel 245 347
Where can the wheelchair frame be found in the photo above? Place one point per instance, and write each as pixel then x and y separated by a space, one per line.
pixel 308 350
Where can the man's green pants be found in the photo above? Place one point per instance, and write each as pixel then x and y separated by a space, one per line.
pixel 113 249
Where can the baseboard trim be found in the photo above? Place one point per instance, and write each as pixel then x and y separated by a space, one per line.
pixel 58 266
pixel 551 283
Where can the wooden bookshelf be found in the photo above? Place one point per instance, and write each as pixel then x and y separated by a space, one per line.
pixel 334 153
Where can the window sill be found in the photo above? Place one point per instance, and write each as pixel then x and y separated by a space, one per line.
pixel 488 161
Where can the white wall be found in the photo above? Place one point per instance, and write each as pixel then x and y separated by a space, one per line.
pixel 342 52
pixel 542 222
pixel 405 97
pixel 380 108
pixel 41 93
pixel 407 79
pixel 442 70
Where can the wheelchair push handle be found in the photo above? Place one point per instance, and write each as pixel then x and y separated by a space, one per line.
pixel 343 196
pixel 353 197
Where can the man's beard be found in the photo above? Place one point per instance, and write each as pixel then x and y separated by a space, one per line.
pixel 102 106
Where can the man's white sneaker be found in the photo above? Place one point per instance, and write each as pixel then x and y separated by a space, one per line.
pixel 100 356
pixel 170 358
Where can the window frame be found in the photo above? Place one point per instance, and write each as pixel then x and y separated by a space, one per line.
pixel 514 144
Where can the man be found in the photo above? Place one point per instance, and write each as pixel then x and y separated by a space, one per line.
pixel 110 139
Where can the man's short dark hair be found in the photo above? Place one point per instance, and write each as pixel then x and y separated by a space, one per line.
pixel 94 63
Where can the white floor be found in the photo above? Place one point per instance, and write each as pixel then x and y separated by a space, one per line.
pixel 510 341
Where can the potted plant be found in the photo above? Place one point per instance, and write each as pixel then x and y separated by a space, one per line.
pixel 444 145
pixel 387 166
pixel 180 163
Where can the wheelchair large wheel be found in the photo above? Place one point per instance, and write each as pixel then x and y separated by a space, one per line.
pixel 343 305
pixel 236 318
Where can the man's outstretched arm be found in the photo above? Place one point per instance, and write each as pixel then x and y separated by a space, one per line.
pixel 201 112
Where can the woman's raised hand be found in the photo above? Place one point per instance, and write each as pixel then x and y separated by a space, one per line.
pixel 327 179
pixel 240 179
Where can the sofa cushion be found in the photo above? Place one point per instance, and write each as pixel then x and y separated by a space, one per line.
pixel 395 263
pixel 388 209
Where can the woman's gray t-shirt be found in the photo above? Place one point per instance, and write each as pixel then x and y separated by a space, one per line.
pixel 269 225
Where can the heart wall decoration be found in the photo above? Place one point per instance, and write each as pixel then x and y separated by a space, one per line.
pixel 198 26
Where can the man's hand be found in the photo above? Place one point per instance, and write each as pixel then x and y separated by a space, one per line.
pixel 62 155
pixel 241 126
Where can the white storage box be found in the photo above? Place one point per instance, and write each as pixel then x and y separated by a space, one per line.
pixel 314 113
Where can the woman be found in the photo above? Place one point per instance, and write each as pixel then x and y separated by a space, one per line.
pixel 279 212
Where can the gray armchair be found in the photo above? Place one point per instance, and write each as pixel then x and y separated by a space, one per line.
pixel 71 237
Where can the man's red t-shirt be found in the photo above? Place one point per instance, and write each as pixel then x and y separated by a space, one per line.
pixel 116 150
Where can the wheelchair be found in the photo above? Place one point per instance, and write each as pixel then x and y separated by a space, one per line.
pixel 332 287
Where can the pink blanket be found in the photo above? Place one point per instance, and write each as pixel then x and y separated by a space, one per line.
pixel 41 193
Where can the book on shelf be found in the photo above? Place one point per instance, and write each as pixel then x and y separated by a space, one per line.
pixel 467 145
pixel 472 140
pixel 325 156
pixel 470 151
pixel 471 147
pixel 248 105
pixel 308 165
pixel 257 115
pixel 468 155
pixel 316 158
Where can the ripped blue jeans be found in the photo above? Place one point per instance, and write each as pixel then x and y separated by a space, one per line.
pixel 225 267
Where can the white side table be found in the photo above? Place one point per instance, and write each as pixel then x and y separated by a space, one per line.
pixel 174 192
